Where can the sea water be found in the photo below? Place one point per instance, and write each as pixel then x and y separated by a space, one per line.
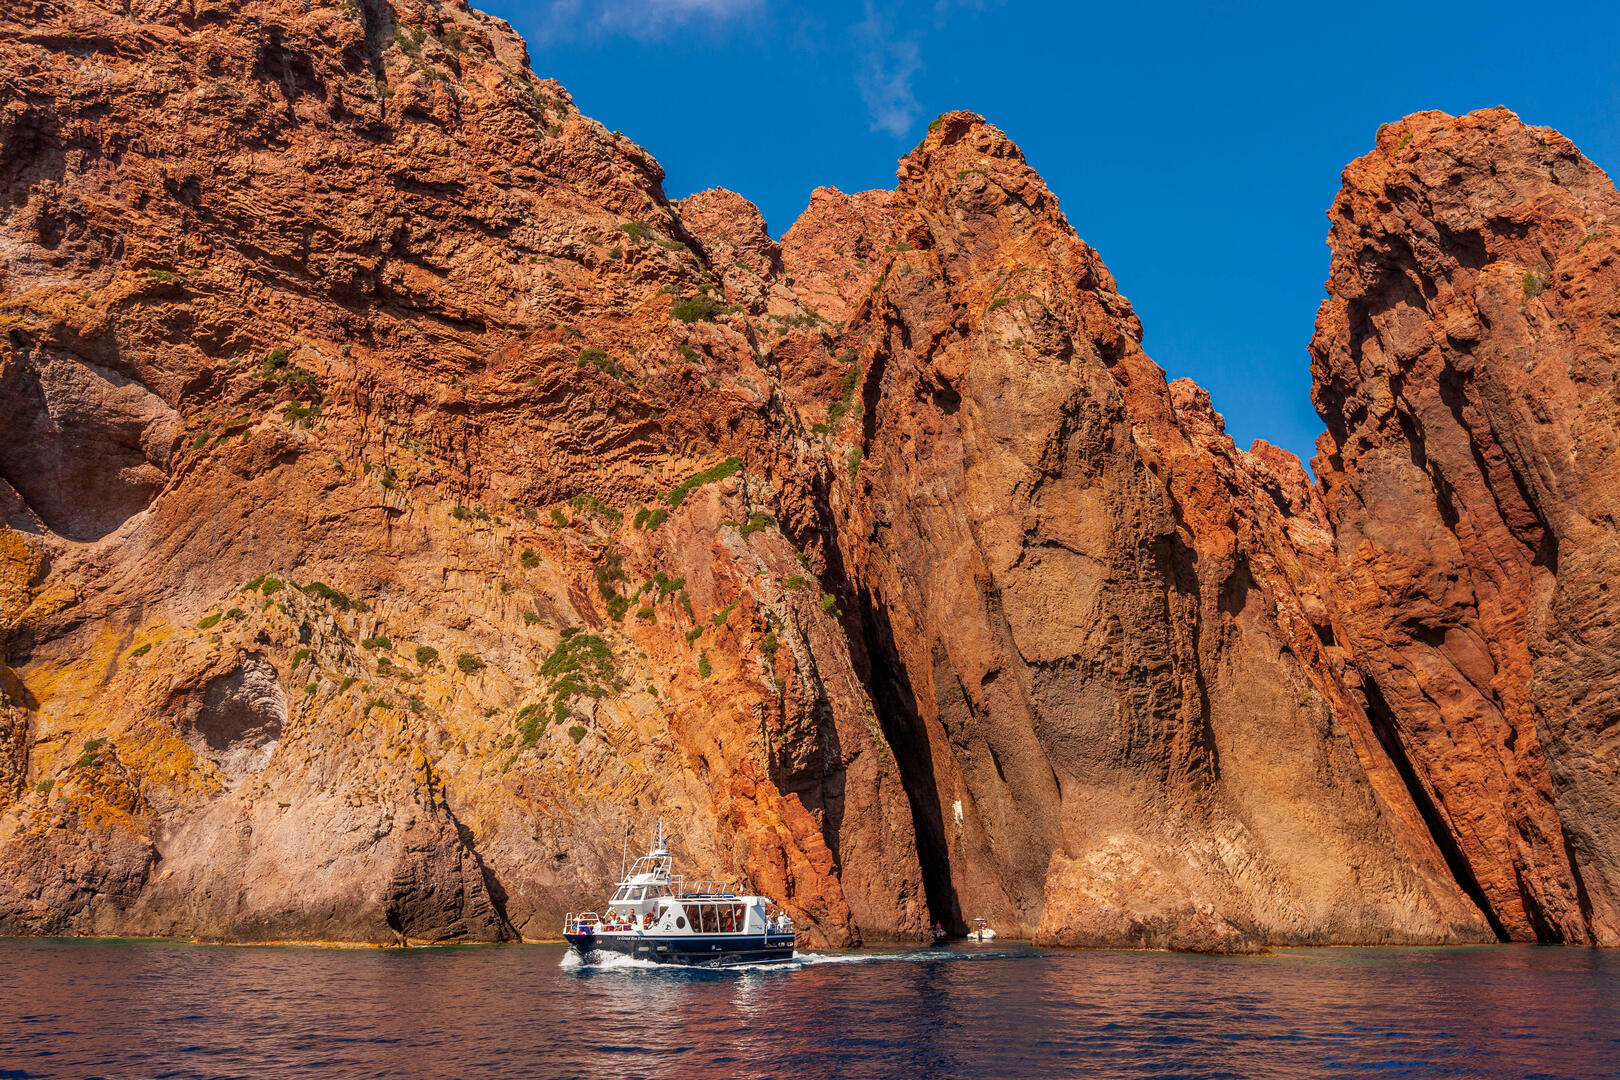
pixel 150 1009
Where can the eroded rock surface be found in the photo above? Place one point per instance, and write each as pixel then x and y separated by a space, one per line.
pixel 345 420
pixel 1466 368
pixel 1096 674
pixel 403 500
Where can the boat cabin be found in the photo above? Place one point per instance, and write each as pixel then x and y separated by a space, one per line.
pixel 652 899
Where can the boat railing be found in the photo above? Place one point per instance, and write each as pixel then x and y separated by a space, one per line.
pixel 707 888
pixel 574 924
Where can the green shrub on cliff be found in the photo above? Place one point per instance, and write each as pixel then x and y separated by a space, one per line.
pixel 755 523
pixel 426 654
pixel 609 573
pixel 91 757
pixel 697 309
pixel 649 520
pixel 531 722
pixel 469 664
pixel 590 504
pixel 322 591
pixel 667 584
pixel 581 664
pixel 210 622
pixel 677 495
pixel 599 359
pixel 847 383
pixel 576 732
pixel 1534 284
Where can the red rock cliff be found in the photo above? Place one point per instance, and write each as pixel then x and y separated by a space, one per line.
pixel 403 499
pixel 379 546
pixel 1466 367
pixel 1099 681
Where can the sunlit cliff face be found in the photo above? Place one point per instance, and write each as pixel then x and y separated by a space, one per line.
pixel 403 499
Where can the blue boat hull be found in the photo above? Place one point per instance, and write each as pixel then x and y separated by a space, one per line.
pixel 699 950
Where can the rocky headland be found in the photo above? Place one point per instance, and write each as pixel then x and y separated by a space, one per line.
pixel 403 498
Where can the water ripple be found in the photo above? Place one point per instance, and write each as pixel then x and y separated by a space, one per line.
pixel 141 1009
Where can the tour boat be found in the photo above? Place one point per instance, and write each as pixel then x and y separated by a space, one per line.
pixel 657 916
pixel 981 931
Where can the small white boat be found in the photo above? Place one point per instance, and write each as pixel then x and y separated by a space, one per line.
pixel 981 931
pixel 659 917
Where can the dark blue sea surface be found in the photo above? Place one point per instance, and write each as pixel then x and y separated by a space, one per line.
pixel 148 1009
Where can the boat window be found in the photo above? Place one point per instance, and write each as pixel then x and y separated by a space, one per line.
pixel 680 923
pixel 620 896
pixel 635 894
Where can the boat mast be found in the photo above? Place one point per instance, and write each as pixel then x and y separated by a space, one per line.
pixel 624 850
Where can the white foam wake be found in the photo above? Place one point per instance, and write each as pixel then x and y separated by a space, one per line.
pixel 612 961
pixel 605 961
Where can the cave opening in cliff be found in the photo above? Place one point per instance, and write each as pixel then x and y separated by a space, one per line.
pixel 907 736
pixel 1383 723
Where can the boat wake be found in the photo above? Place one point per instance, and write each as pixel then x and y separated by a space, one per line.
pixel 611 961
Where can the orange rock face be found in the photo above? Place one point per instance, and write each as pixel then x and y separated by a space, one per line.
pixel 350 587
pixel 1076 598
pixel 1465 365
pixel 404 501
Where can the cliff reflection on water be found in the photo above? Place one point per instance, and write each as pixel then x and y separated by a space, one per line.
pixel 143 1009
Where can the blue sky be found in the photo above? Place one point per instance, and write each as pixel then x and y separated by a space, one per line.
pixel 1195 145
